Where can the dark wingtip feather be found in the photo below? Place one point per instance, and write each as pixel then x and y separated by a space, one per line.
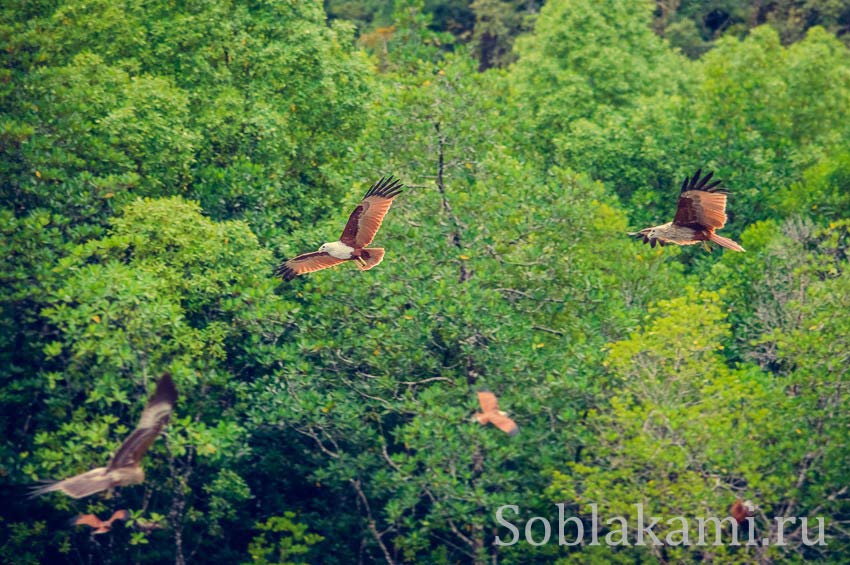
pixel 387 187
pixel 716 188
pixel 696 176
pixel 697 183
pixel 704 180
pixel 513 432
pixel 285 272
pixel 165 390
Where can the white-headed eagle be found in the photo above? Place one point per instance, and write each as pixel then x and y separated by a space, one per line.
pixel 701 210
pixel 359 232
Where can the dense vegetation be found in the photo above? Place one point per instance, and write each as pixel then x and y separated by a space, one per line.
pixel 159 158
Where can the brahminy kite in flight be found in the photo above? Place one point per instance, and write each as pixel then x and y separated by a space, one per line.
pixel 740 510
pixel 701 210
pixel 125 467
pixel 100 526
pixel 490 413
pixel 359 232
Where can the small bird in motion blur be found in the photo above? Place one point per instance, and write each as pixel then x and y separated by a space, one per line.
pixel 125 467
pixel 740 510
pixel 100 526
pixel 359 232
pixel 701 210
pixel 490 413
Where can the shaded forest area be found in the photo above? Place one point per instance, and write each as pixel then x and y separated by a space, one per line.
pixel 160 158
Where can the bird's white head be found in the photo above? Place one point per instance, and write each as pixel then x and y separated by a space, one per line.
pixel 645 232
pixel 337 249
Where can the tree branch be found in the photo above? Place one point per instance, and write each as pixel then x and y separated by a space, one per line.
pixel 372 527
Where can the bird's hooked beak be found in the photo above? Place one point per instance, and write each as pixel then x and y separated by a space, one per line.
pixel 647 236
pixel 644 233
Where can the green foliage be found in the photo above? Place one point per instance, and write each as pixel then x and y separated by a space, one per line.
pixel 19 542
pixel 589 61
pixel 286 548
pixel 224 104
pixel 497 23
pixel 167 289
pixel 758 114
pixel 823 192
pixel 682 429
pixel 691 22
pixel 160 158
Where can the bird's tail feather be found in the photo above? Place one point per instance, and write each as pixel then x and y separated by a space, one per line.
pixel 44 488
pixel 371 257
pixel 725 242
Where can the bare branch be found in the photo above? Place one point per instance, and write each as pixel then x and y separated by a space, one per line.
pixel 372 527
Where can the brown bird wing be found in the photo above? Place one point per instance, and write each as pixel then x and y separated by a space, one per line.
pixel 739 511
pixel 118 515
pixel 81 485
pixel 366 218
pixel 701 204
pixel 87 520
pixel 488 402
pixel 504 423
pixel 154 417
pixel 306 263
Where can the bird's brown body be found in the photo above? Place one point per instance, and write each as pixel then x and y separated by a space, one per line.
pixel 94 481
pixel 701 211
pixel 680 235
pixel 100 526
pixel 740 510
pixel 490 414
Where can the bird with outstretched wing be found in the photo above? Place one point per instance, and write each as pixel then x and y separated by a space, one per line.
pixel 701 211
pixel 99 526
pixel 490 413
pixel 363 224
pixel 125 466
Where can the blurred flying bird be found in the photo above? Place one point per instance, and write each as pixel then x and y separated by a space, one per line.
pixel 124 468
pixel 490 413
pixel 701 210
pixel 740 510
pixel 100 527
pixel 359 232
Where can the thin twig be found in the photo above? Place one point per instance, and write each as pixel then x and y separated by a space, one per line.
pixel 372 527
